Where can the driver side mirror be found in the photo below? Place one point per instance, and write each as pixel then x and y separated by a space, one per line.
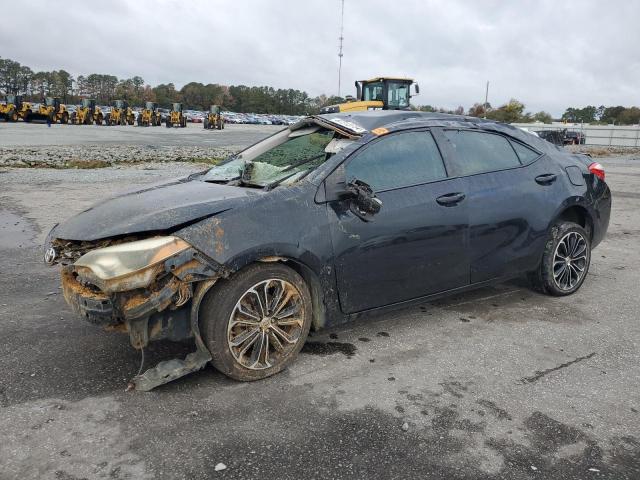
pixel 362 200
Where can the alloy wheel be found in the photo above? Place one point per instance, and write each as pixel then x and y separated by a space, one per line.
pixel 570 261
pixel 265 324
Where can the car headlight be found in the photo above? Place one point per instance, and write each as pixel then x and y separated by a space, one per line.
pixel 119 260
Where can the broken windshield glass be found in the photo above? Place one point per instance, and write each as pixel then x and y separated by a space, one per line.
pixel 290 154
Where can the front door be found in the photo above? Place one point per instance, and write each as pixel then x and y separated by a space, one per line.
pixel 416 244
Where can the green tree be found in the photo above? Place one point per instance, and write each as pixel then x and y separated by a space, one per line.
pixel 543 117
pixel 166 94
pixel 508 113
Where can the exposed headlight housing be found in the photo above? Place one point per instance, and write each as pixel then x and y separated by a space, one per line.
pixel 126 258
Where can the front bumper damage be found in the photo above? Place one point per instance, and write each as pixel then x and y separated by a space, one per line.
pixel 158 302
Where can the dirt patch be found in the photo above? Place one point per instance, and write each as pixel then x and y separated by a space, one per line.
pixel 329 348
pixel 603 151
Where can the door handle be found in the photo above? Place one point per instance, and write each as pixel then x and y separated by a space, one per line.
pixel 546 179
pixel 450 199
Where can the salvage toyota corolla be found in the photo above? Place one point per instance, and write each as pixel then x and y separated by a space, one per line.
pixel 332 217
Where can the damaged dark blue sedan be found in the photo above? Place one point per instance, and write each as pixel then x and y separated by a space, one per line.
pixel 333 217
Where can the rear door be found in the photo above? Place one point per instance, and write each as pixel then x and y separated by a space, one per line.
pixel 512 193
pixel 416 244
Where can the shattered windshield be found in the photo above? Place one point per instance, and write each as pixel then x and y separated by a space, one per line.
pixel 286 156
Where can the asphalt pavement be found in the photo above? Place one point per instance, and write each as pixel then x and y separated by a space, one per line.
pixel 499 383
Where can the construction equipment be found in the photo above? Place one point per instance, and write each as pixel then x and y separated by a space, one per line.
pixel 150 115
pixel 382 93
pixel 14 109
pixel 121 114
pixel 214 119
pixel 175 118
pixel 11 109
pixel 50 110
pixel 87 113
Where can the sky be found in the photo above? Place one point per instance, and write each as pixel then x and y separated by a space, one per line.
pixel 548 54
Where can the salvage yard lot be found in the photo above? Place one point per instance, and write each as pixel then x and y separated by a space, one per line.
pixel 500 382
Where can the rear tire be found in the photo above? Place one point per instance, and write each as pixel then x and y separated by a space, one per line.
pixel 250 342
pixel 565 261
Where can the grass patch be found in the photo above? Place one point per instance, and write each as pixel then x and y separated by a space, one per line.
pixel 204 161
pixel 87 164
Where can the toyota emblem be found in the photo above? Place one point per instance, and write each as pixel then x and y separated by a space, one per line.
pixel 50 256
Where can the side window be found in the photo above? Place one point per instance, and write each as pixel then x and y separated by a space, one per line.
pixel 398 160
pixel 525 154
pixel 478 152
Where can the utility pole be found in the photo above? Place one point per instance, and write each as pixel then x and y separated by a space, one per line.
pixel 341 38
pixel 486 99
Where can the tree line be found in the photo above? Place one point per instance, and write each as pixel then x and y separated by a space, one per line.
pixel 511 112
pixel 605 115
pixel 514 112
pixel 21 79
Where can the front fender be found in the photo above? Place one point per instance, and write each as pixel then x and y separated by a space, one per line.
pixel 285 223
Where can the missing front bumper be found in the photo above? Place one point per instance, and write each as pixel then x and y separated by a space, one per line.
pixel 166 309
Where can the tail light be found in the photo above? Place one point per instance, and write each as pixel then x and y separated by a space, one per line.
pixel 597 170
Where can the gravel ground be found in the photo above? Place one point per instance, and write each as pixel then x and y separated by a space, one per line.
pixel 60 146
pixel 500 383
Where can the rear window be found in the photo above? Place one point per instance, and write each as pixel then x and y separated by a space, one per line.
pixel 478 152
pixel 525 154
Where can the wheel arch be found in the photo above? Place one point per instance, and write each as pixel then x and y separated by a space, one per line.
pixel 302 268
pixel 576 214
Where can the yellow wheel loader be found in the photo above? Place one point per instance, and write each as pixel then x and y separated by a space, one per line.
pixel 11 109
pixel 382 93
pixel 121 114
pixel 150 116
pixel 15 109
pixel 214 119
pixel 50 110
pixel 87 113
pixel 175 118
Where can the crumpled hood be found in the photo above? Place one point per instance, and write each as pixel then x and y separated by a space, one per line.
pixel 150 209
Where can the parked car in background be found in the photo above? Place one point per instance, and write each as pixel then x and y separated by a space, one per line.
pixel 562 137
pixel 164 113
pixel 573 138
pixel 553 136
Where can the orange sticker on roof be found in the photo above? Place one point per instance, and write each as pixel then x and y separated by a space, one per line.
pixel 379 131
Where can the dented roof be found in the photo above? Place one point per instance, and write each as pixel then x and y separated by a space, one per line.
pixel 357 124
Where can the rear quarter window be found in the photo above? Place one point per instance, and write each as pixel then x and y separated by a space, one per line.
pixel 526 154
pixel 479 152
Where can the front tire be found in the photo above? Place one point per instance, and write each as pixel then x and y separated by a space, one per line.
pixel 255 323
pixel 565 261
